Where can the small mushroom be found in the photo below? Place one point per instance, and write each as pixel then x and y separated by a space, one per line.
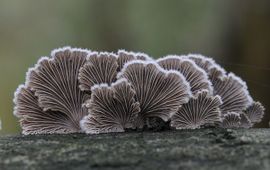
pixel 99 68
pixel 111 108
pixel 233 92
pixel 196 76
pixel 202 61
pixel 216 72
pixel 202 109
pixel 245 121
pixel 255 112
pixel 231 120
pixel 159 92
pixel 125 56
pixel 212 69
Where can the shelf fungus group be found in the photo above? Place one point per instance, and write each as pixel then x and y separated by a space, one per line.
pixel 75 90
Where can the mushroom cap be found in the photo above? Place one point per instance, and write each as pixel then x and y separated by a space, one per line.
pixel 111 108
pixel 54 80
pixel 34 120
pixel 99 68
pixel 233 92
pixel 126 56
pixel 231 120
pixel 196 76
pixel 245 121
pixel 159 92
pixel 202 109
pixel 255 112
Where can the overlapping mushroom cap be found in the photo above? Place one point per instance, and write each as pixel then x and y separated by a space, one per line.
pixel 34 120
pixel 231 120
pixel 76 90
pixel 202 109
pixel 99 68
pixel 51 101
pixel 195 76
pixel 159 92
pixel 112 108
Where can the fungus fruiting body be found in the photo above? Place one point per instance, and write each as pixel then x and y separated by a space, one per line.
pixel 77 90
pixel 112 108
pixel 194 75
pixel 159 92
pixel 231 120
pixel 54 90
pixel 34 120
pixel 202 109
pixel 255 112
pixel 99 68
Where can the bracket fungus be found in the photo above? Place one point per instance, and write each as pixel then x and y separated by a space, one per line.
pixel 99 68
pixel 158 91
pixel 231 120
pixel 34 120
pixel 125 56
pixel 112 108
pixel 196 76
pixel 77 90
pixel 255 112
pixel 245 122
pixel 54 83
pixel 202 109
pixel 233 92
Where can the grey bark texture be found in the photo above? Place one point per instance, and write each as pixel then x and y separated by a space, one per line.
pixel 205 149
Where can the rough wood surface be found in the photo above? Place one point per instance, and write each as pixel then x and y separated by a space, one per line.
pixel 208 149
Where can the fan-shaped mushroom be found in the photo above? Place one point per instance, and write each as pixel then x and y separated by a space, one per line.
pixel 99 68
pixel 231 120
pixel 245 121
pixel 233 92
pixel 255 112
pixel 125 56
pixel 159 92
pixel 212 69
pixel 201 109
pixel 34 120
pixel 111 108
pixel 55 83
pixel 196 76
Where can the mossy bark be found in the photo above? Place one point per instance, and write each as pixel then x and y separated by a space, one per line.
pixel 208 149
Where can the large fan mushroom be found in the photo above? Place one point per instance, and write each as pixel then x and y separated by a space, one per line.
pixel 54 81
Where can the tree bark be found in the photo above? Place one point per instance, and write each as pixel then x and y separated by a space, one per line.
pixel 208 149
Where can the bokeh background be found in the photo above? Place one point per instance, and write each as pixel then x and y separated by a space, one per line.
pixel 235 33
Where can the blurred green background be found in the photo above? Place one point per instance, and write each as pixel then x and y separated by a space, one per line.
pixel 235 33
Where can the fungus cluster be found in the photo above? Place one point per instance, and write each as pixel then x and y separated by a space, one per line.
pixel 75 90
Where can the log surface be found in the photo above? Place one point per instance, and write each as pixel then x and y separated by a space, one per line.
pixel 205 149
